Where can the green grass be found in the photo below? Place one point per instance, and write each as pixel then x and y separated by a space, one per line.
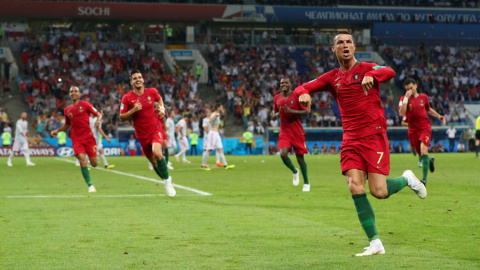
pixel 255 218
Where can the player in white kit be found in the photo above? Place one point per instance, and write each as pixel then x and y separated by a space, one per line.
pixel 98 133
pixel 214 139
pixel 182 138
pixel 21 140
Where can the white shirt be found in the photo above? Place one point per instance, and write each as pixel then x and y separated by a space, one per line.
pixel 182 128
pixel 171 127
pixel 21 127
pixel 451 133
pixel 95 131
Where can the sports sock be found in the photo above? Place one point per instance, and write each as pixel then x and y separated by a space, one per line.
pixel 162 168
pixel 394 185
pixel 217 157
pixel 303 168
pixel 289 164
pixel 222 158
pixel 425 166
pixel 27 155
pixel 365 215
pixel 420 159
pixel 12 153
pixel 86 175
pixel 104 160
pixel 205 158
pixel 166 155
pixel 476 150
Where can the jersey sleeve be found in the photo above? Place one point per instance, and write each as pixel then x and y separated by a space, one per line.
pixel 156 95
pixel 67 119
pixel 124 105
pixel 379 73
pixel 275 108
pixel 427 104
pixel 400 103
pixel 319 84
pixel 91 109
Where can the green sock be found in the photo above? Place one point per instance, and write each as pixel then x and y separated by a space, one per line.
pixel 365 215
pixel 86 175
pixel 162 168
pixel 419 158
pixel 425 166
pixel 303 168
pixel 166 154
pixel 394 185
pixel 289 164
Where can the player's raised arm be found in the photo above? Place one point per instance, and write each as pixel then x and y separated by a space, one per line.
pixel 434 113
pixel 377 72
pixel 125 114
pixel 320 84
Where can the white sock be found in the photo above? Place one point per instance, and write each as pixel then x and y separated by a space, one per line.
pixel 27 155
pixel 222 157
pixel 205 157
pixel 104 160
pixel 217 155
pixel 11 155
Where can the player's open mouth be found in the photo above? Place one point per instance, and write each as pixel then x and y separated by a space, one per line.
pixel 346 53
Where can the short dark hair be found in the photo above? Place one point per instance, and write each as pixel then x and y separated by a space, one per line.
pixel 218 106
pixel 134 72
pixel 409 81
pixel 341 33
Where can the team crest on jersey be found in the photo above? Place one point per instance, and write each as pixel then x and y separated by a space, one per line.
pixel 291 102
pixel 80 109
pixel 149 100
pixel 356 77
pixel 421 102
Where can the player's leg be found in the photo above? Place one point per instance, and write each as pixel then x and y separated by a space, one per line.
pixel 161 168
pixel 303 169
pixel 356 184
pixel 205 155
pixel 477 143
pixel 166 154
pixel 288 163
pixel 15 148
pixel 187 147
pixel 26 154
pixel 427 162
pixel 81 157
pixel 102 157
pixel 91 151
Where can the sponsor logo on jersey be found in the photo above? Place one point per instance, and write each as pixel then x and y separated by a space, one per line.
pixel 378 67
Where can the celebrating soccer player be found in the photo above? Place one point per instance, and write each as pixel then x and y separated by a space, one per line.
pixel 291 130
pixel 365 152
pixel 139 104
pixel 77 117
pixel 416 108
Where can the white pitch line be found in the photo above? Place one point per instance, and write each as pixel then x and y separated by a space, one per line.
pixel 143 178
pixel 93 196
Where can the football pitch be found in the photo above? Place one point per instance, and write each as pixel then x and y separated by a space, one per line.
pixel 251 217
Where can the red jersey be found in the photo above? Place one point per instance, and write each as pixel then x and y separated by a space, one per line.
pixel 361 115
pixel 416 114
pixel 146 120
pixel 78 118
pixel 290 124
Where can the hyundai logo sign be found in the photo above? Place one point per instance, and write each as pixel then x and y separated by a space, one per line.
pixel 65 152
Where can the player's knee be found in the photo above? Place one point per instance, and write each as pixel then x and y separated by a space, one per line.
pixel 94 163
pixel 379 194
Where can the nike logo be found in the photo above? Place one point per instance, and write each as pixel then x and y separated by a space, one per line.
pixel 378 167
pixel 377 252
pixel 338 78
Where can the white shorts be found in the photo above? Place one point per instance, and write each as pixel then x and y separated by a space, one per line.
pixel 205 141
pixel 99 144
pixel 20 144
pixel 171 142
pixel 214 141
pixel 183 144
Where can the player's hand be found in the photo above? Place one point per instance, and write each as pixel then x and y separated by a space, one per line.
pixel 409 93
pixel 287 109
pixel 444 121
pixel 305 100
pixel 108 139
pixel 137 107
pixel 97 124
pixel 367 83
pixel 53 133
pixel 161 111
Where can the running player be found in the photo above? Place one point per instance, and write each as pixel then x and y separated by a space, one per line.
pixel 21 140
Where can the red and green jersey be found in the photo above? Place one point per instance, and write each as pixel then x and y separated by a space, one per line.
pixel 146 120
pixel 416 114
pixel 290 124
pixel 78 118
pixel 361 115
